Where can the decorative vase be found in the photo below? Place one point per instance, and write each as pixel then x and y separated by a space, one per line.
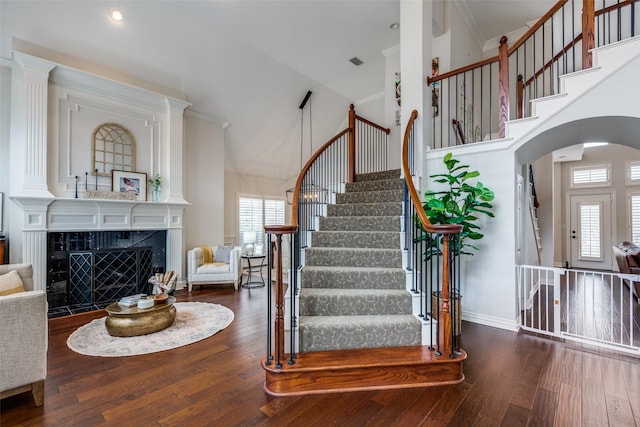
pixel 155 195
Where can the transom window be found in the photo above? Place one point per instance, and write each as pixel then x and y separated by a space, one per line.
pixel 591 176
pixel 114 148
pixel 633 173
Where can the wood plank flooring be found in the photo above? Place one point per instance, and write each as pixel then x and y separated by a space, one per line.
pixel 512 379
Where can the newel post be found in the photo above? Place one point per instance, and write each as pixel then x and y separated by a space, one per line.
pixel 503 85
pixel 352 145
pixel 278 324
pixel 444 316
pixel 588 37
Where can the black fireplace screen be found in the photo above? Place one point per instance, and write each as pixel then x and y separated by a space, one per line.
pixel 89 270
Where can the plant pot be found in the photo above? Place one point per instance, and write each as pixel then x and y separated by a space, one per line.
pixel 454 302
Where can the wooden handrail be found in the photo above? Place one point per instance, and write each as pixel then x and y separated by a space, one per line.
pixel 537 26
pixel 554 59
pixel 303 173
pixel 464 69
pixel 614 7
pixel 424 220
pixel 370 123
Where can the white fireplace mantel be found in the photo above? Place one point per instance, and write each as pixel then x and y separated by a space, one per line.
pixel 48 100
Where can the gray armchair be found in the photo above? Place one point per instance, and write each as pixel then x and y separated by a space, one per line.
pixel 23 347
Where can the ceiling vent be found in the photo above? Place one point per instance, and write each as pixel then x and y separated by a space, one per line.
pixel 356 61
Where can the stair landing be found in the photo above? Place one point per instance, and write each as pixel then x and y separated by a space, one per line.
pixel 363 369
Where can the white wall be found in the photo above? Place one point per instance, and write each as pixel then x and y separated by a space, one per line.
pixel 250 185
pixel 487 285
pixel 204 181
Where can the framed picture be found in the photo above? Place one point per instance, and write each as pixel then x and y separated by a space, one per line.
pixel 129 182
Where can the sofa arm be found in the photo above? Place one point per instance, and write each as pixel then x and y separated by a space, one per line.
pixel 235 265
pixel 23 347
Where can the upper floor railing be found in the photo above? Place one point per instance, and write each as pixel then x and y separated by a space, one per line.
pixel 473 103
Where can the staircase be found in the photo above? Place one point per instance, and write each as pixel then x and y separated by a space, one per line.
pixel 356 327
pixel 353 291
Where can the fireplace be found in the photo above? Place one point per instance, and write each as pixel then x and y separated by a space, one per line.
pixel 89 270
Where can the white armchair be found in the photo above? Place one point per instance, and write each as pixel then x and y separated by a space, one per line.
pixel 23 346
pixel 203 271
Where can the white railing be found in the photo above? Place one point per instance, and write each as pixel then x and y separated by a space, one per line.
pixel 592 307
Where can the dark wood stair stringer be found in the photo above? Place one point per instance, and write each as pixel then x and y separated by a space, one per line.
pixel 363 369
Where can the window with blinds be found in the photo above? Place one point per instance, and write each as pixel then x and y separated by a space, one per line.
pixel 634 216
pixel 253 214
pixel 591 231
pixel 633 173
pixel 591 176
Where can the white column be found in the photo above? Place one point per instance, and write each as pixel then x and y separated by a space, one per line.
pixel 415 66
pixel 175 244
pixel 29 109
pixel 172 151
pixel 34 239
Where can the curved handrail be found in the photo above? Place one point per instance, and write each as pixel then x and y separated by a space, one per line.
pixel 424 219
pixel 303 173
pixel 370 123
pixel 537 25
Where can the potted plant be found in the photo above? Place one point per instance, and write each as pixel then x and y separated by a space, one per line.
pixel 461 202
pixel 156 182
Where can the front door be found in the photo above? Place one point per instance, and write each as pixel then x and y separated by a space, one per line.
pixel 590 231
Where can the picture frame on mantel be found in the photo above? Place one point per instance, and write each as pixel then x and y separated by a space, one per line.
pixel 130 182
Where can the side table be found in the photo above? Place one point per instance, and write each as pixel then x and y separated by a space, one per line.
pixel 254 265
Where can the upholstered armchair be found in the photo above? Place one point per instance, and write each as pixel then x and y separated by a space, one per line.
pixel 23 333
pixel 214 264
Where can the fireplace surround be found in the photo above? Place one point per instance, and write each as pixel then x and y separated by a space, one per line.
pixel 89 270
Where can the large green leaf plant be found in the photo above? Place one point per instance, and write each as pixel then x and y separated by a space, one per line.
pixel 461 203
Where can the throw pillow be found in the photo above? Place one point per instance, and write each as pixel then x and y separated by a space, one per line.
pixel 223 254
pixel 10 283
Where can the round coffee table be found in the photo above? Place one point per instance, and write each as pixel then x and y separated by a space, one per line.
pixel 134 321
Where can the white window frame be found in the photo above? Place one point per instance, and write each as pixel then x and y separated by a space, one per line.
pixel 634 229
pixel 631 169
pixel 606 183
pixel 260 234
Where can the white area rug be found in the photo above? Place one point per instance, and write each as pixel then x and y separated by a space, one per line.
pixel 195 321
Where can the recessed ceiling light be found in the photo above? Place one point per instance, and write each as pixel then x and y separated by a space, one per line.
pixel 594 144
pixel 356 61
pixel 116 15
pixel 394 26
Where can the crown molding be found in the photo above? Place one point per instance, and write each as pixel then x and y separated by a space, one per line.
pixel 190 112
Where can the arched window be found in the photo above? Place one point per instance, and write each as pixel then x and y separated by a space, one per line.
pixel 114 148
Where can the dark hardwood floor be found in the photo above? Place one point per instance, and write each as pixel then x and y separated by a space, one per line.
pixel 512 379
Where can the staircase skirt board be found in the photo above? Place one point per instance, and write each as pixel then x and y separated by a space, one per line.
pixel 365 369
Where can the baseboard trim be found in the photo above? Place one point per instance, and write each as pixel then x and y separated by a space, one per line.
pixel 494 322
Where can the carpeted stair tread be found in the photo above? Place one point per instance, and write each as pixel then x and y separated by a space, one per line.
pixel 354 302
pixel 361 223
pixel 320 333
pixel 386 184
pixel 365 209
pixel 356 239
pixel 353 277
pixel 354 257
pixel 370 197
pixel 375 176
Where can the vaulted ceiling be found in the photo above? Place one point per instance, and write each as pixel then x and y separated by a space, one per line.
pixel 245 62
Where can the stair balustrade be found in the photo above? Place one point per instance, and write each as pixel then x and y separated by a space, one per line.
pixel 360 148
pixel 433 261
pixel 479 96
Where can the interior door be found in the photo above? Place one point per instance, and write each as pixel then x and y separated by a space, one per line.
pixel 590 231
